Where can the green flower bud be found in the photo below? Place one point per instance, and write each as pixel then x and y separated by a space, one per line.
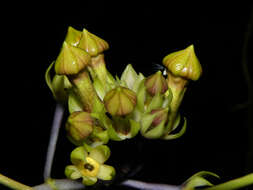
pixel 156 83
pixel 153 123
pixel 79 125
pixel 161 115
pixel 71 60
pixel 120 101
pixel 92 44
pixel 184 64
pixel 73 36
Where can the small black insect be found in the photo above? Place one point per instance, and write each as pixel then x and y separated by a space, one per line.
pixel 159 67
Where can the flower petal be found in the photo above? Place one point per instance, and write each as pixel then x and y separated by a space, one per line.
pixel 106 172
pixel 78 155
pixel 100 153
pixel 89 180
pixel 72 172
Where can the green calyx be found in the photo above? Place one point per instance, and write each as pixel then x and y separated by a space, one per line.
pixel 184 63
pixel 92 44
pixel 71 60
pixel 120 101
pixel 79 125
pixel 156 83
pixel 73 36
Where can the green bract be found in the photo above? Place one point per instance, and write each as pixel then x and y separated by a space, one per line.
pixel 88 164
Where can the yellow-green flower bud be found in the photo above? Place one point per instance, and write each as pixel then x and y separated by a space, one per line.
pixel 120 101
pixel 79 125
pixel 73 36
pixel 71 60
pixel 153 123
pixel 161 115
pixel 156 83
pixel 92 44
pixel 184 64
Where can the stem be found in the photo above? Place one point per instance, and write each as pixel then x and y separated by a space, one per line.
pixel 149 186
pixel 58 115
pixel 234 184
pixel 61 184
pixel 13 184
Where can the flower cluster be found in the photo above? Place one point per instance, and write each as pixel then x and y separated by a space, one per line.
pixel 103 107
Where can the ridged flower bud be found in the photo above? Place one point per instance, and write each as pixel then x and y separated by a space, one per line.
pixel 153 123
pixel 92 44
pixel 79 125
pixel 156 83
pixel 73 36
pixel 184 63
pixel 120 101
pixel 71 60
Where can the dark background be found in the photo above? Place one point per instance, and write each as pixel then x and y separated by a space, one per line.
pixel 217 137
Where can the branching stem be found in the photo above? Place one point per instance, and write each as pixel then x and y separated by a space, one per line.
pixel 13 184
pixel 58 115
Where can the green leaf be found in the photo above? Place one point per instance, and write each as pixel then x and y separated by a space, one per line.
pixel 106 172
pixel 100 153
pixel 177 135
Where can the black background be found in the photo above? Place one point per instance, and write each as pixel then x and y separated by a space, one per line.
pixel 216 138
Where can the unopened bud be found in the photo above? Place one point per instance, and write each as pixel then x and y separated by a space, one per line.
pixel 184 64
pixel 71 60
pixel 156 83
pixel 92 44
pixel 120 101
pixel 79 125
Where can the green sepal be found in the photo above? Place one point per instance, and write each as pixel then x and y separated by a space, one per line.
pixel 74 104
pixel 58 85
pixel 146 122
pixel 102 136
pixel 100 153
pixel 129 76
pixel 198 180
pixel 141 96
pixel 135 127
pixel 98 86
pixel 106 172
pixel 168 98
pixel 177 135
pixel 156 102
pixel 78 155
pixel 113 134
pixel 155 132
pixel 72 172
pixel 138 81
